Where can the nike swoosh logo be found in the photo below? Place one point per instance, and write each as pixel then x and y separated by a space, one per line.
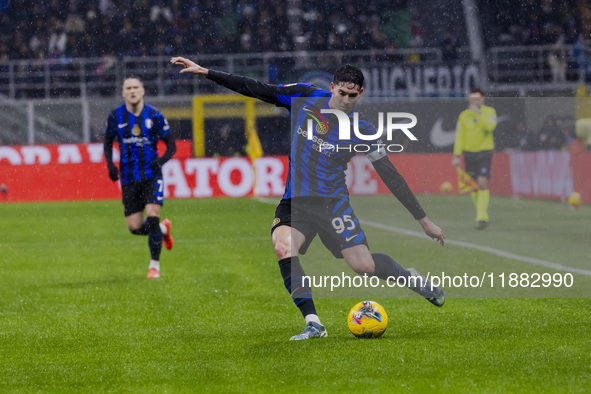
pixel 441 138
pixel 350 238
pixel 122 125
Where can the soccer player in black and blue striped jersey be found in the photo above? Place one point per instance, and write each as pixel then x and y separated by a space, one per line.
pixel 316 199
pixel 137 127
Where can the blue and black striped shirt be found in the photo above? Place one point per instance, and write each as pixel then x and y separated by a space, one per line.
pixel 138 137
pixel 314 169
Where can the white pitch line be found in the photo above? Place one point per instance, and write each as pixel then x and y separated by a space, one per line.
pixel 486 249
pixel 498 252
pixel 267 200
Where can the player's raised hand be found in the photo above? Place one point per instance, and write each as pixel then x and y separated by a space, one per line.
pixel 432 230
pixel 189 66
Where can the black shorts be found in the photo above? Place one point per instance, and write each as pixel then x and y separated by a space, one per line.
pixel 332 219
pixel 478 163
pixel 136 195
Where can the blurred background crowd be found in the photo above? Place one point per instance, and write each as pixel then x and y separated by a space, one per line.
pixel 70 28
pixel 111 30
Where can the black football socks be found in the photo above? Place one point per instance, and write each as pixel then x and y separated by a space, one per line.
pixel 386 267
pixel 154 237
pixel 301 293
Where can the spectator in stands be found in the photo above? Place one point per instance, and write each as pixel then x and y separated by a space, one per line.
pixel 551 136
pixel 449 46
pixel 226 145
pixel 4 6
pixel 6 25
pixel 557 62
pixel 160 11
pixel 416 42
pixel 567 127
pixel 527 138
pixel 58 39
pixel 124 23
pixel 75 23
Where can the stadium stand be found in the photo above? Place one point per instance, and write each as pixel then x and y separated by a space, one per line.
pixel 68 50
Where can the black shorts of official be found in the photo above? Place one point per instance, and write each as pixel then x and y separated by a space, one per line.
pixel 478 163
pixel 136 195
pixel 332 219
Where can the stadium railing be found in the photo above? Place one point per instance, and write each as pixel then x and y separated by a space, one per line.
pixel 513 66
pixel 509 68
pixel 81 77
pixel 66 100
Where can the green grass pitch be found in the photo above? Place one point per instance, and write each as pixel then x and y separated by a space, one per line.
pixel 77 313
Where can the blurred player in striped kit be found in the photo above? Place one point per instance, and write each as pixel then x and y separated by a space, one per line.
pixel 137 127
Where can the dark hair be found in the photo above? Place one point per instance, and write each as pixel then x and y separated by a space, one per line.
pixel 477 90
pixel 132 76
pixel 349 74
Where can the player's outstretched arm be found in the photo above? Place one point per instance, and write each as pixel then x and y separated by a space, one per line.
pixel 108 148
pixel 189 66
pixel 432 230
pixel 108 152
pixel 399 188
pixel 243 85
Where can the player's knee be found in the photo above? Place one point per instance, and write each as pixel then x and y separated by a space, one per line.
pixel 282 248
pixel 482 183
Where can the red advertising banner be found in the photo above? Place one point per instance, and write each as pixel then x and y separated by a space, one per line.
pixel 78 172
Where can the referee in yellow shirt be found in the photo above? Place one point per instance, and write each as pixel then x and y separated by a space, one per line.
pixel 474 138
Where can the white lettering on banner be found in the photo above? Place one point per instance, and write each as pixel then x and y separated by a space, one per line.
pixel 458 71
pixel 11 155
pixel 68 154
pixel 362 180
pixel 471 74
pixel 412 81
pixel 443 79
pixel 95 152
pixel 35 154
pixel 174 176
pixel 269 176
pixel 415 87
pixel 429 75
pixel 544 173
pixel 202 168
pixel 225 181
pixel 396 76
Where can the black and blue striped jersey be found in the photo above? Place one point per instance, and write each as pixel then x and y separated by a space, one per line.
pixel 317 165
pixel 138 137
